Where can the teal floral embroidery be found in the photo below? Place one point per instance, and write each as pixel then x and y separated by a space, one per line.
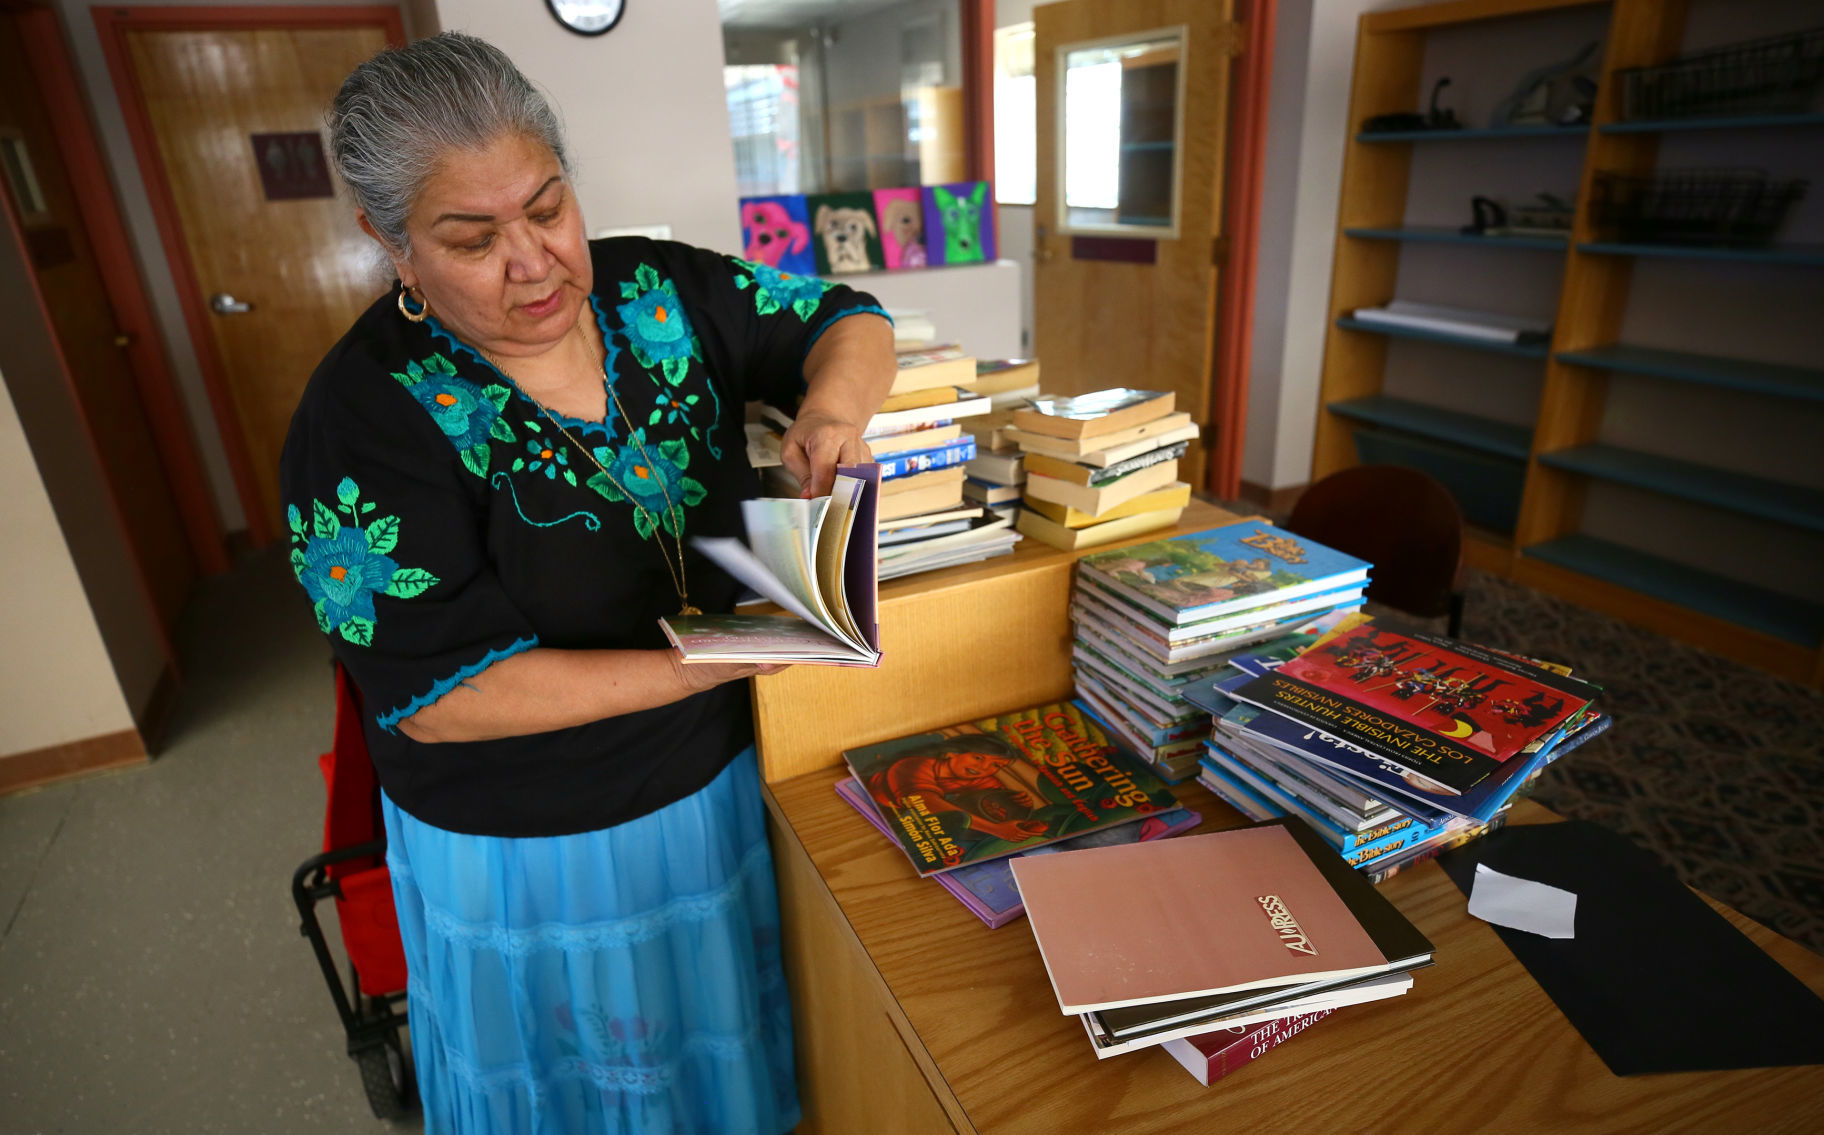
pixel 656 327
pixel 545 457
pixel 671 409
pixel 344 565
pixel 775 290
pixel 468 414
pixel 658 487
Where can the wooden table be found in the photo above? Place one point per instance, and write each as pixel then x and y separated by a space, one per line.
pixel 913 1018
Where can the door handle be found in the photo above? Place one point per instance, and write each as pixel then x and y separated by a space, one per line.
pixel 224 304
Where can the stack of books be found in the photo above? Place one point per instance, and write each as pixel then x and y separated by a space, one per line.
pixel 1148 943
pixel 1154 621
pixel 961 801
pixel 919 441
pixel 1393 747
pixel 996 474
pixel 1100 467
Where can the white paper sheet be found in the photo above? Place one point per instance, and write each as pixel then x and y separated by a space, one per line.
pixel 1521 904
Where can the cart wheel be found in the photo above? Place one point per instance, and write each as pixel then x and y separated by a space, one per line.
pixel 389 1088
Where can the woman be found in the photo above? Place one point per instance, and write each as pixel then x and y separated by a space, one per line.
pixel 492 482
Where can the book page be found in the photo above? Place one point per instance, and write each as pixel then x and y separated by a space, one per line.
pixel 832 549
pixel 779 532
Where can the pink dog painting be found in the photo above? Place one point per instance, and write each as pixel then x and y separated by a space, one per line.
pixel 776 231
pixel 902 227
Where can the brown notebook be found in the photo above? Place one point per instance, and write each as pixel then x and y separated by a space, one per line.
pixel 1241 909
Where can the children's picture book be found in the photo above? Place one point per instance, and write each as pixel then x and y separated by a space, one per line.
pixel 987 889
pixel 901 213
pixel 988 788
pixel 844 233
pixel 959 223
pixel 1221 571
pixel 815 558
pixel 1454 711
pixel 777 231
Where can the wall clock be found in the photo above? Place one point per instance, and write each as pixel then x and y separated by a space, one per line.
pixel 587 17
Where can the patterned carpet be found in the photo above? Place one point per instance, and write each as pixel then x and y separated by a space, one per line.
pixel 1716 766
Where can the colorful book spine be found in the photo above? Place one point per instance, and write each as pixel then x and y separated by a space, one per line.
pixel 921 460
pixel 1358 847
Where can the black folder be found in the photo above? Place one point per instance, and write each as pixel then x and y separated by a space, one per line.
pixel 1655 980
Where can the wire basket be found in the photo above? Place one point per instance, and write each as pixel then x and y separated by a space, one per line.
pixel 1758 76
pixel 1741 207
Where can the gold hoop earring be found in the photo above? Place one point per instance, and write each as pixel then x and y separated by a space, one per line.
pixel 424 309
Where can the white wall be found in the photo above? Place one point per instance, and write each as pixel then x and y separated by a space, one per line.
pixel 975 305
pixel 643 108
pixel 1302 170
pixel 57 683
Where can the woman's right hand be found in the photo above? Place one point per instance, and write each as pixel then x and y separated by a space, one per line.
pixel 699 676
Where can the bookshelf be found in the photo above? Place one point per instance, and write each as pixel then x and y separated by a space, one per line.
pixel 1528 489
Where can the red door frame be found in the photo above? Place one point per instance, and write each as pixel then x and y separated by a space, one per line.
pixel 1250 84
pixel 978 89
pixel 55 77
pixel 112 25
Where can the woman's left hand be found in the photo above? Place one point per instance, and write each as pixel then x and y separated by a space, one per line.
pixel 816 444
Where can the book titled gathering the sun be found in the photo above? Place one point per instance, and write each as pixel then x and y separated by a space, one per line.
pixel 815 558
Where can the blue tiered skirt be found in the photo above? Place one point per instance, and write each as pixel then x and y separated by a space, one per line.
pixel 618 981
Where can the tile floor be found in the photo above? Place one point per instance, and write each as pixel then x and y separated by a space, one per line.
pixel 152 978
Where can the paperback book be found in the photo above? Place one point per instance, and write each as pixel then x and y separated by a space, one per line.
pixel 815 558
pixel 988 788
pixel 1452 712
pixel 1092 415
pixel 987 889
pixel 1148 946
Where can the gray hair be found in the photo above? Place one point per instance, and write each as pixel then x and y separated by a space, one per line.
pixel 399 113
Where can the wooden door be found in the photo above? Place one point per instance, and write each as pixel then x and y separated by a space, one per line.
pixel 220 104
pixel 1124 290
pixel 42 199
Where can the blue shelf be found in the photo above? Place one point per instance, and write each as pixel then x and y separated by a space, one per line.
pixel 1703 484
pixel 1478 134
pixel 1521 350
pixel 1770 612
pixel 1792 255
pixel 1444 234
pixel 1729 122
pixel 1710 370
pixel 1484 435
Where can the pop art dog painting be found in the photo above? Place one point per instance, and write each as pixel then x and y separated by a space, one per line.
pixel 777 231
pixel 902 227
pixel 845 233
pixel 959 223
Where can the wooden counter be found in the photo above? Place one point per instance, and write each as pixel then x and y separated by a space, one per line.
pixel 913 1018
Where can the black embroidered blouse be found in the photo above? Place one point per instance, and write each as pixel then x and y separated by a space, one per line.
pixel 439 523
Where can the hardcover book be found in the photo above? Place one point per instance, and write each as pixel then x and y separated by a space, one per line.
pixel 988 788
pixel 1220 571
pixel 1261 907
pixel 815 558
pixel 1211 1056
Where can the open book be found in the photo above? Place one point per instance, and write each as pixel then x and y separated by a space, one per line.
pixel 815 558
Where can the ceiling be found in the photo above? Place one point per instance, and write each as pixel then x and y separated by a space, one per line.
pixel 795 13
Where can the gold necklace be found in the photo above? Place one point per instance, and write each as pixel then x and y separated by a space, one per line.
pixel 680 583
